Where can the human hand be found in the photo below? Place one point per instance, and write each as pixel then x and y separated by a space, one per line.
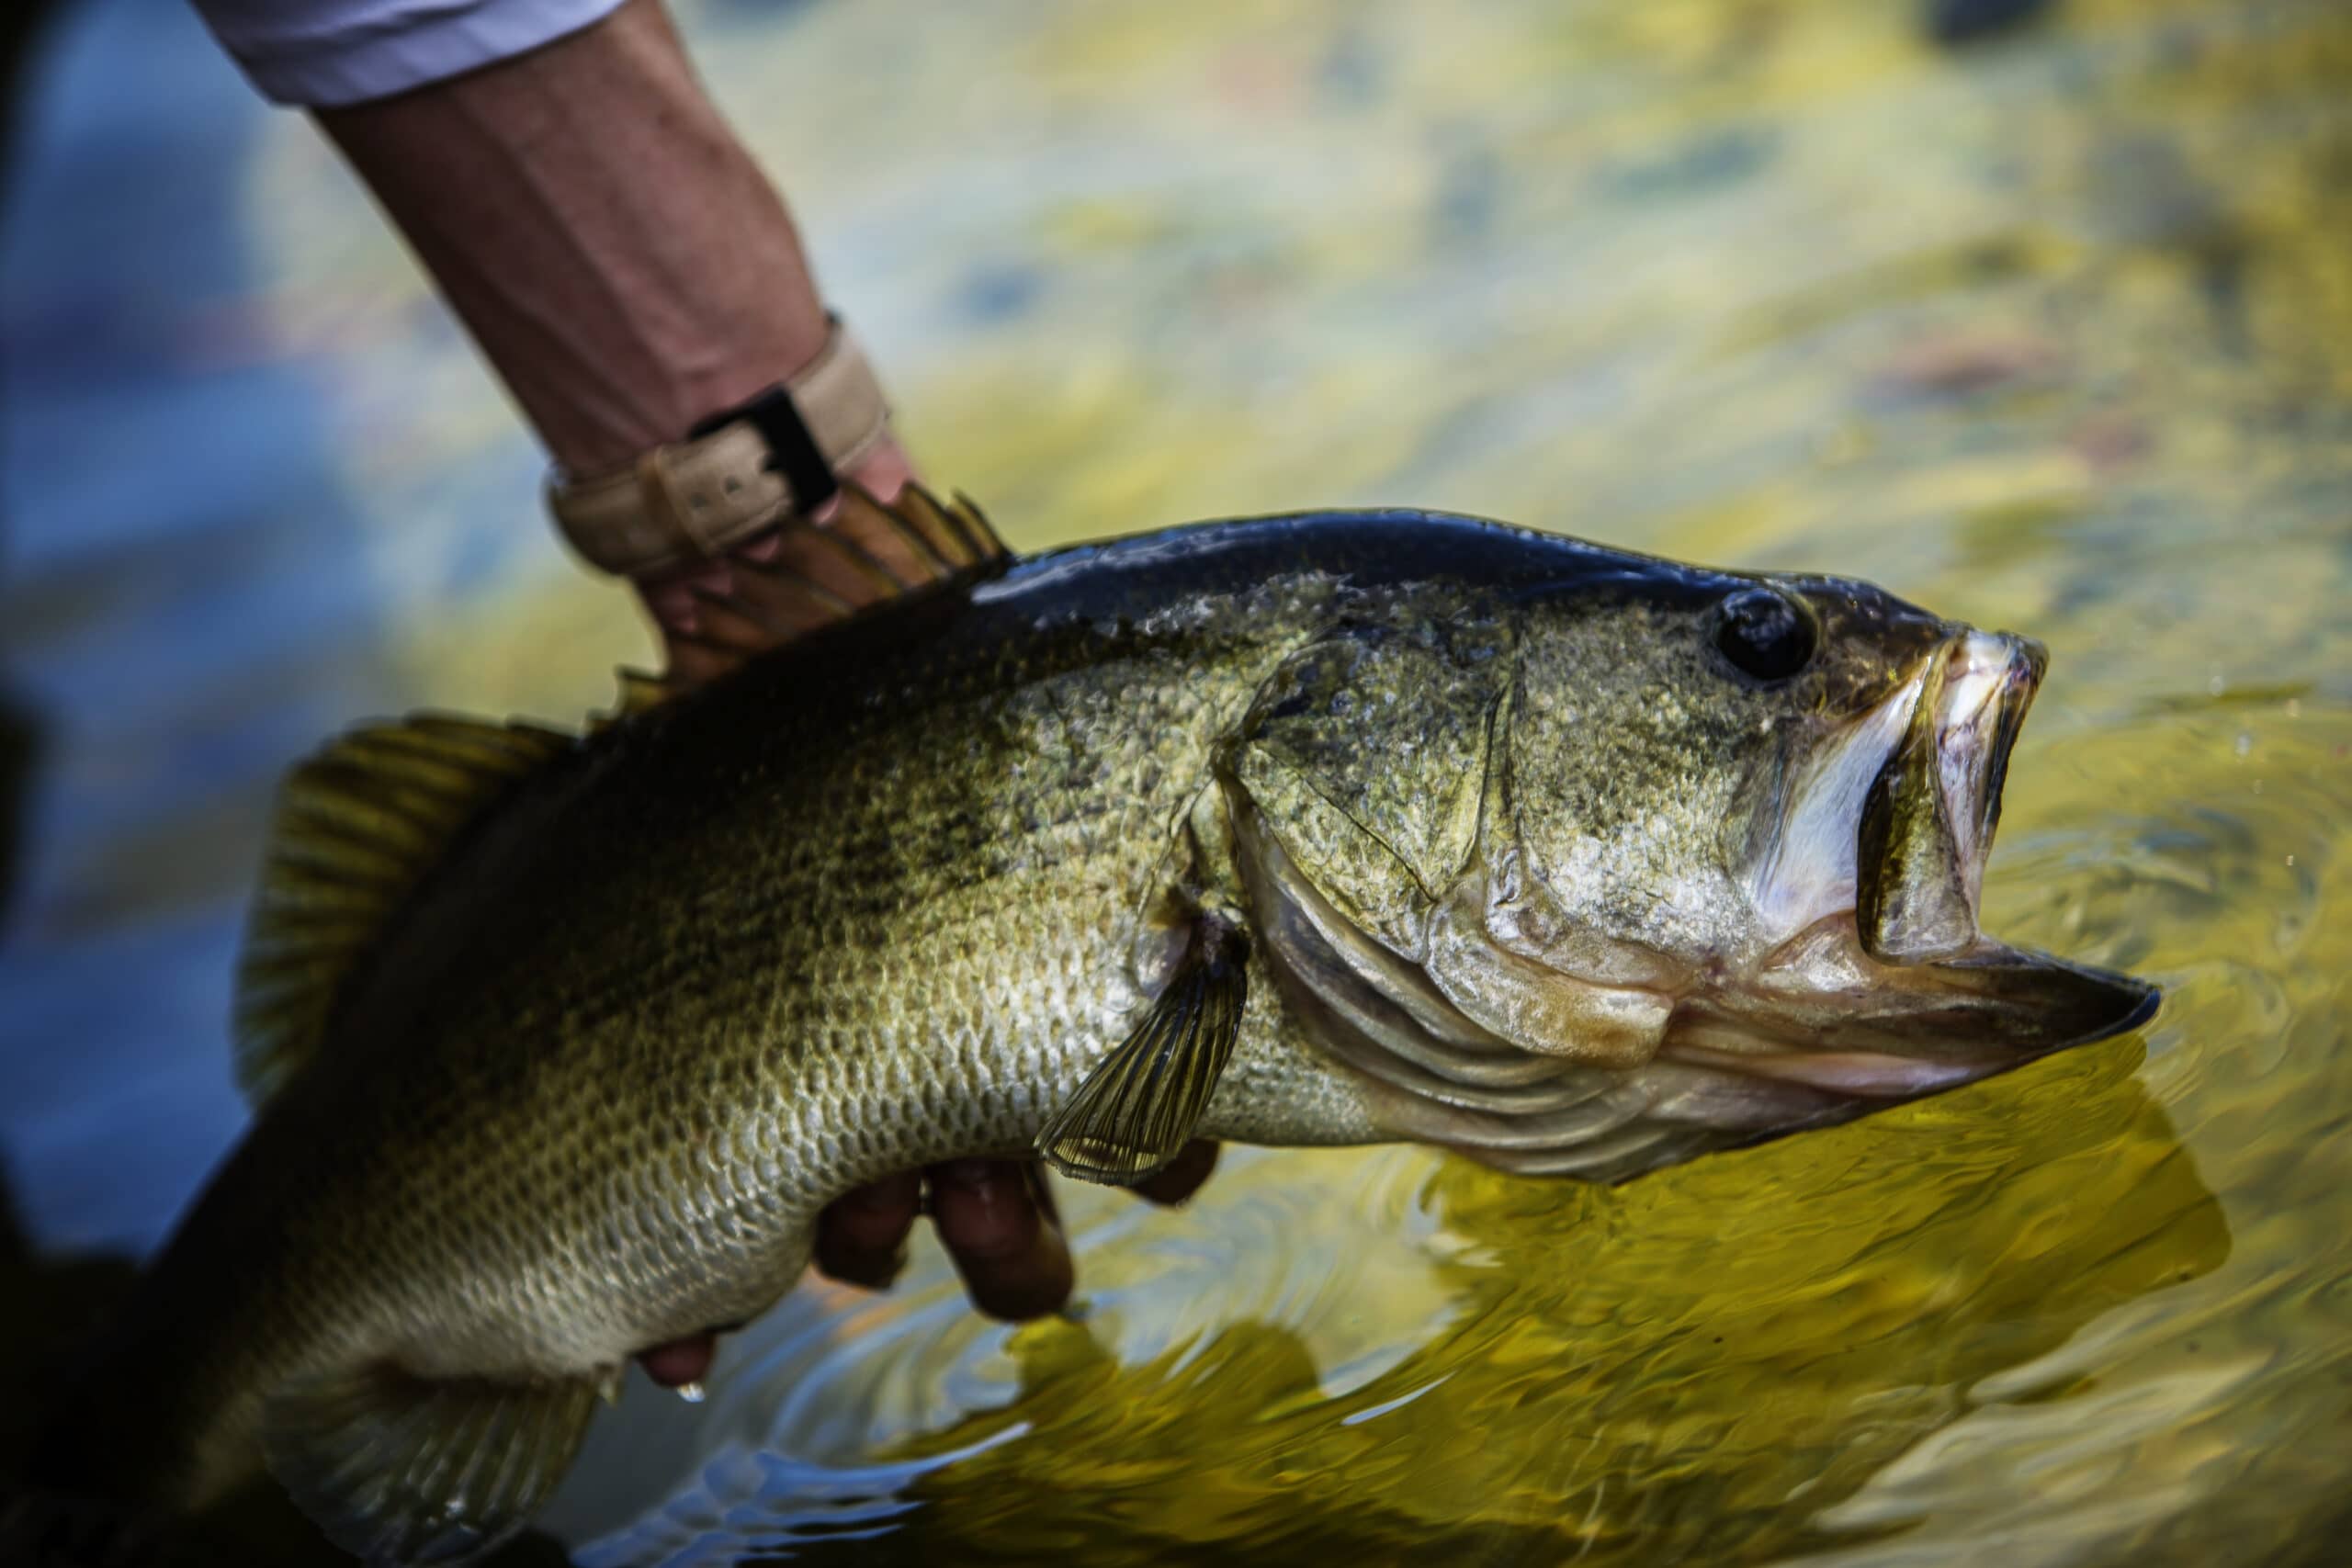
pixel 996 1217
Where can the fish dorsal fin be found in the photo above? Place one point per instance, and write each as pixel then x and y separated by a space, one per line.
pixel 359 825
pixel 807 576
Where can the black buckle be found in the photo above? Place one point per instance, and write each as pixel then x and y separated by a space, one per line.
pixel 792 450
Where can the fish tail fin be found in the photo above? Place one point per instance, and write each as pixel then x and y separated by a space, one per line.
pixel 399 1468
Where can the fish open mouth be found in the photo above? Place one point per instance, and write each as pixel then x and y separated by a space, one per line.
pixel 1870 983
pixel 1902 994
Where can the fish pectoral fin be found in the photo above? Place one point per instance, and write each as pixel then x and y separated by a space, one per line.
pixel 1137 1109
pixel 398 1469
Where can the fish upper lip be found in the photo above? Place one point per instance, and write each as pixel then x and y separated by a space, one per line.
pixel 1990 682
pixel 1926 828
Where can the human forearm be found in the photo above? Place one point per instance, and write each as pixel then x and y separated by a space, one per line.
pixel 620 258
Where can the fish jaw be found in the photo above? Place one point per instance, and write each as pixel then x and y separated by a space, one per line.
pixel 1813 1017
pixel 1889 989
pixel 1826 1013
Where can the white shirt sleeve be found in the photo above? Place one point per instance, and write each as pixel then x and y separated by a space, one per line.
pixel 322 53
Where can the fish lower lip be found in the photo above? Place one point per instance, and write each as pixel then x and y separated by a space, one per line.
pixel 1866 1075
pixel 1826 1018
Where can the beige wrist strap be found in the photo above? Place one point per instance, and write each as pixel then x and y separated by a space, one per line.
pixel 692 500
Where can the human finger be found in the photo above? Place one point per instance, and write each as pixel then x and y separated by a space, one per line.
pixel 1011 1254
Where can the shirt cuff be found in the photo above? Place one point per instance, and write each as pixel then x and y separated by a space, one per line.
pixel 329 55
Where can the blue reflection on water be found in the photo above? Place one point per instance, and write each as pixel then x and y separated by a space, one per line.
pixel 180 601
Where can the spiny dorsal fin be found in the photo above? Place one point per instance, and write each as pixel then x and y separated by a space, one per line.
pixel 807 576
pixel 358 826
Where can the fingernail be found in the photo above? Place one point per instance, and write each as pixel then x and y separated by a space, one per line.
pixel 680 1362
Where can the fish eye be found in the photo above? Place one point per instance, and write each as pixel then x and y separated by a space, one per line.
pixel 1767 634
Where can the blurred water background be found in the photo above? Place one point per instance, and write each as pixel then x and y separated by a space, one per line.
pixel 2051 330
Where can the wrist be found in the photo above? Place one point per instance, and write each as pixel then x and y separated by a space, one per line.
pixel 695 370
pixel 779 454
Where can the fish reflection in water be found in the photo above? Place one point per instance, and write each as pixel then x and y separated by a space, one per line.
pixel 1716 1378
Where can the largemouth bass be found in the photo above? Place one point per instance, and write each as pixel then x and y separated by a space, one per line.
pixel 1310 831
